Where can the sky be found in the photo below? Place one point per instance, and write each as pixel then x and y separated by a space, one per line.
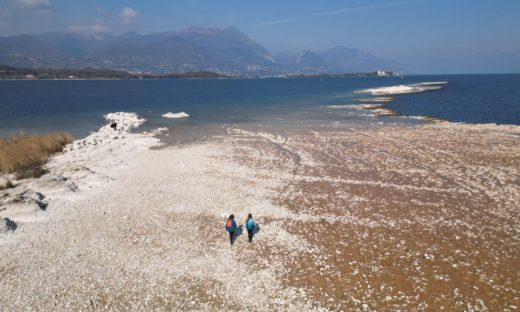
pixel 431 36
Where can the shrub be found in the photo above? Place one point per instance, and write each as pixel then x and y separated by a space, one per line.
pixel 25 155
pixel 7 185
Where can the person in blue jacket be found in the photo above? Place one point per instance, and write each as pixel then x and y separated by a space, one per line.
pixel 250 226
pixel 231 227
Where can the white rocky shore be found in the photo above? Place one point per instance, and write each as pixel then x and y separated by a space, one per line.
pixel 84 165
pixel 352 218
pixel 116 225
pixel 175 115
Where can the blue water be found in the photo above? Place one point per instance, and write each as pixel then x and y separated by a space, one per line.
pixel 78 106
pixel 467 98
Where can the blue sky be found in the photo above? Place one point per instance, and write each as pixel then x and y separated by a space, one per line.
pixel 433 36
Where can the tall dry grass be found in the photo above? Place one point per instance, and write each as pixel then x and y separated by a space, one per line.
pixel 6 185
pixel 25 155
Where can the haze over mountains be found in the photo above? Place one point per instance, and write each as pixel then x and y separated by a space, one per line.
pixel 224 50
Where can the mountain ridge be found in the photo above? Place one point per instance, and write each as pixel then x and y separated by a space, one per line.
pixel 223 50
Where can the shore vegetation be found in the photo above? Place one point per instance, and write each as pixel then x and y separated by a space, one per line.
pixel 6 185
pixel 25 155
pixel 17 73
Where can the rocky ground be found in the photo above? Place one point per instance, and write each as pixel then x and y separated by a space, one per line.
pixel 399 218
pixel 351 218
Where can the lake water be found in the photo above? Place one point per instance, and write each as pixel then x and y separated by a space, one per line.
pixel 78 106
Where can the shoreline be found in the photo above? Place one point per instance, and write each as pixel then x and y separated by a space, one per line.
pixel 128 122
pixel 430 198
pixel 122 79
pixel 79 166
pixel 379 108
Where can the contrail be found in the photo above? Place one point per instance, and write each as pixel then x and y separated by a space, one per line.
pixel 335 12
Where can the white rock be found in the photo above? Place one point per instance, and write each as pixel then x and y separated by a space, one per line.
pixel 175 115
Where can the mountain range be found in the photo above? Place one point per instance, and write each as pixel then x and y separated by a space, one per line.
pixel 223 50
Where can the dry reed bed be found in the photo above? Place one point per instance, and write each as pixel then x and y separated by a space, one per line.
pixel 24 155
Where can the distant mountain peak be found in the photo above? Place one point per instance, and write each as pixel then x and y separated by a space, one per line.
pixel 225 50
pixel 207 31
pixel 339 59
pixel 130 34
pixel 199 30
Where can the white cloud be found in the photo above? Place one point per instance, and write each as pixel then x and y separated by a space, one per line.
pixel 96 28
pixel 35 4
pixel 335 12
pixel 128 14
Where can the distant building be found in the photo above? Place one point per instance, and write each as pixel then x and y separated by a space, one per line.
pixel 71 77
pixel 382 73
pixel 29 76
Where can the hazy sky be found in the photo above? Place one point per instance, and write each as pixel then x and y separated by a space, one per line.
pixel 437 36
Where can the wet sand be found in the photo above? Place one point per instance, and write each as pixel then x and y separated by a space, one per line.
pixel 399 218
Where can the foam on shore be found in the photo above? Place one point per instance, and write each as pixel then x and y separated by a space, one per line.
pixel 377 105
pixel 404 89
pixel 376 110
pixel 346 106
pixel 376 99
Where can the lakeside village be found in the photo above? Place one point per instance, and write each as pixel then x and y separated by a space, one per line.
pixel 16 73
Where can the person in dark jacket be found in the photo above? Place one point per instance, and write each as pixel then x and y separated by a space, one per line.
pixel 231 227
pixel 250 226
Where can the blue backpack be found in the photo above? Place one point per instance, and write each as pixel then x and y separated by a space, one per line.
pixel 230 226
pixel 250 224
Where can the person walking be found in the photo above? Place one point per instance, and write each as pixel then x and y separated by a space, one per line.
pixel 231 227
pixel 250 226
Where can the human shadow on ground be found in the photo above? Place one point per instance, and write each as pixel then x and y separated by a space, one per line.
pixel 256 229
pixel 238 232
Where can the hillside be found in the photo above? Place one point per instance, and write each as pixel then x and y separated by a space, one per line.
pixel 195 49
